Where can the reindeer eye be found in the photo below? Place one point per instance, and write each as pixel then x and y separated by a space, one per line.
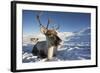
pixel 51 35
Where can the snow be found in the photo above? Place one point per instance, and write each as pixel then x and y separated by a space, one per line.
pixel 75 46
pixel 64 35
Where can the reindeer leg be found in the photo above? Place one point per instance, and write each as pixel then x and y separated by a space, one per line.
pixel 50 53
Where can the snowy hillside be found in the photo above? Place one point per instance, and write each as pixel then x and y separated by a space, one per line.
pixel 82 37
pixel 76 46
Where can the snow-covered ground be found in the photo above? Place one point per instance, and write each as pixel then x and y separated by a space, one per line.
pixel 75 46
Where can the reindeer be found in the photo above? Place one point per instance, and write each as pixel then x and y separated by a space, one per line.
pixel 47 49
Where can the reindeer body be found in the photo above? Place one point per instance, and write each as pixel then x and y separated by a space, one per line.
pixel 42 51
pixel 47 49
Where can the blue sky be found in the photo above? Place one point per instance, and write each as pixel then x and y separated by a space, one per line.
pixel 68 21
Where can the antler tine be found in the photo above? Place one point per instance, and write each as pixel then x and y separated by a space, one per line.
pixel 48 23
pixel 38 18
pixel 56 28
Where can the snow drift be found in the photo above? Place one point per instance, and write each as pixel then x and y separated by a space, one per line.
pixel 75 46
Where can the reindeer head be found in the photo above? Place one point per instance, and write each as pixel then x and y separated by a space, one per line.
pixel 51 34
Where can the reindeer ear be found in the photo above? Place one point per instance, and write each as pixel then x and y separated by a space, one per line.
pixel 43 30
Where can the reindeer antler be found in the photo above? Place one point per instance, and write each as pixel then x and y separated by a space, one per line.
pixel 55 26
pixel 48 23
pixel 38 18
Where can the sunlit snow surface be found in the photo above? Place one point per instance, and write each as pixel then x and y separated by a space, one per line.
pixel 75 47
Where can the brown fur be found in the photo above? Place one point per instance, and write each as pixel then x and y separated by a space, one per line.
pixel 50 46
